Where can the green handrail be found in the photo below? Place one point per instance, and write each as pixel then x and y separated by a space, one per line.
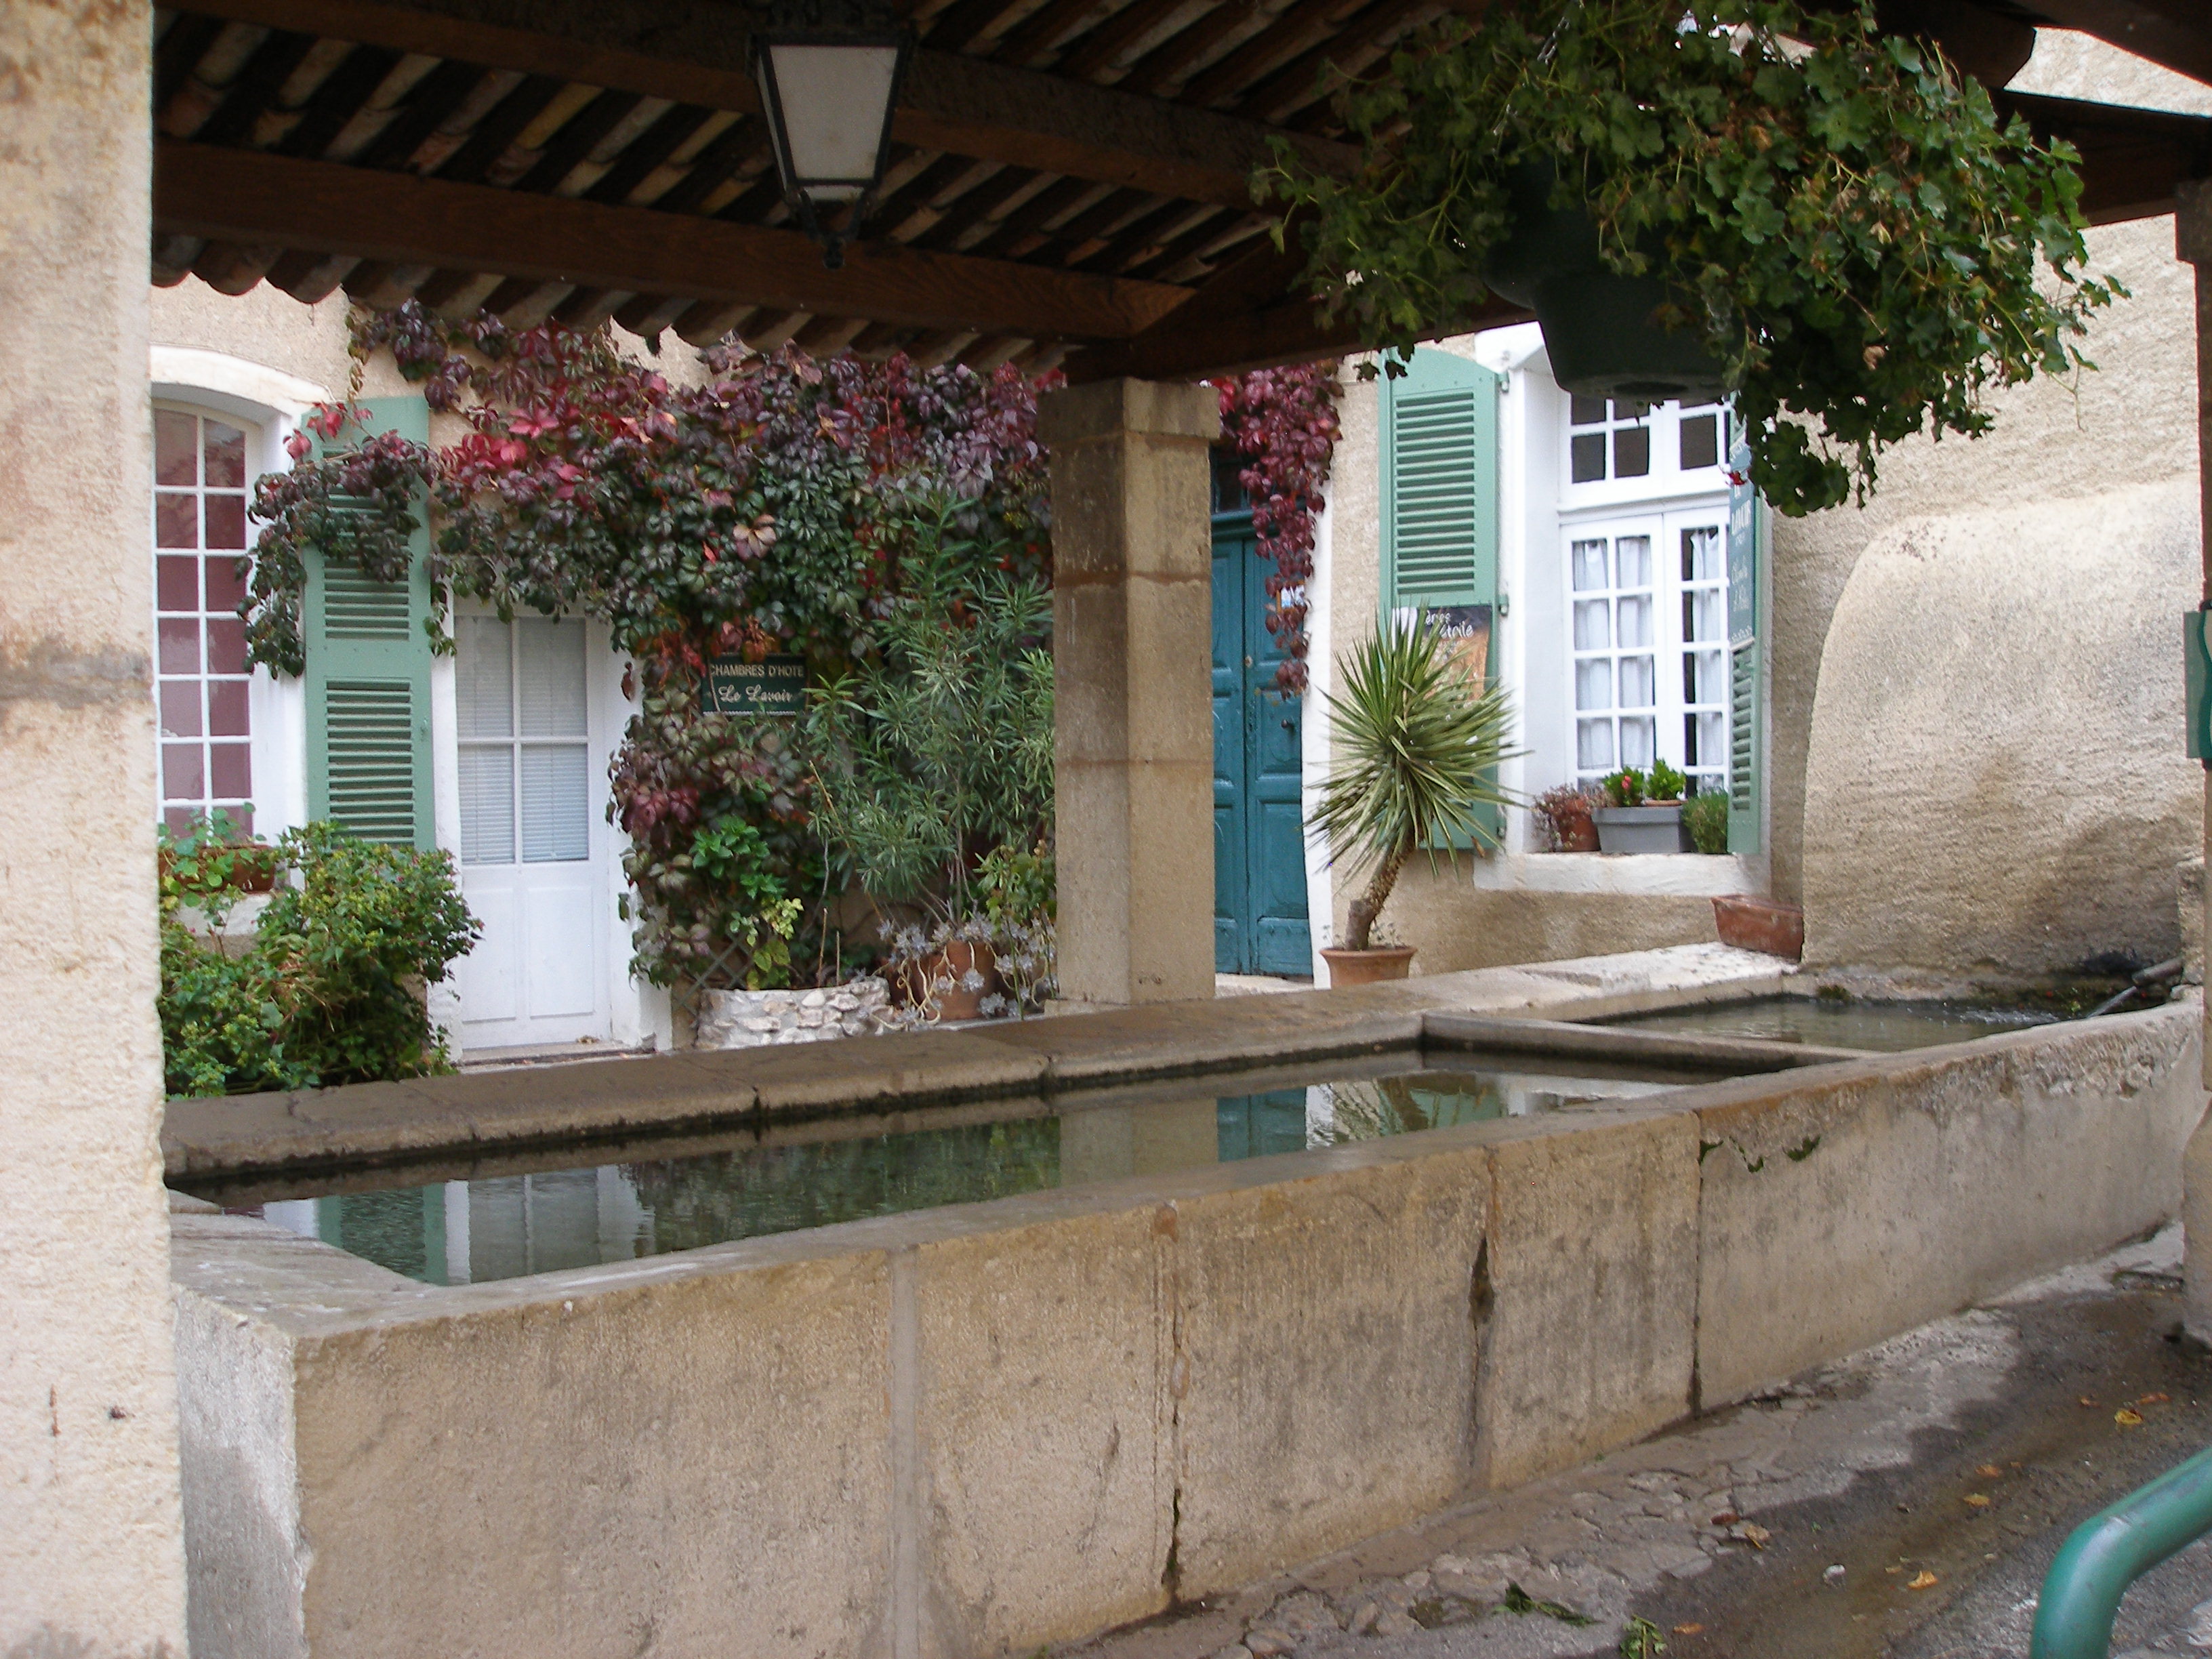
pixel 2109 1552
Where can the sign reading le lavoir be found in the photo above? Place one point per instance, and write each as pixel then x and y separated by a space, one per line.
pixel 773 685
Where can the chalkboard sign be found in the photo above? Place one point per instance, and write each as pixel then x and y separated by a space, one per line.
pixel 773 685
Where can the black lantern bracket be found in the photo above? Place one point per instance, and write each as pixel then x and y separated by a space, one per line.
pixel 829 73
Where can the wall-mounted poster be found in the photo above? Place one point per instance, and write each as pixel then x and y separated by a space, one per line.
pixel 1466 629
pixel 773 685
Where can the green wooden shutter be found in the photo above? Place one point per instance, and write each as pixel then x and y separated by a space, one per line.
pixel 1440 484
pixel 368 677
pixel 1439 424
pixel 1747 534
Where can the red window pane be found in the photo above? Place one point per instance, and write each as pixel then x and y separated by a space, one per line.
pixel 176 439
pixel 176 520
pixel 179 819
pixel 226 521
pixel 183 776
pixel 232 769
pixel 180 644
pixel 177 583
pixel 241 814
pixel 180 708
pixel 225 645
pixel 226 457
pixel 226 584
pixel 227 715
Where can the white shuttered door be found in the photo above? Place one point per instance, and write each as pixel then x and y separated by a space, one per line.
pixel 528 865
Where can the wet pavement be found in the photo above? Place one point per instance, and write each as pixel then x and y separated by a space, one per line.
pixel 1904 1503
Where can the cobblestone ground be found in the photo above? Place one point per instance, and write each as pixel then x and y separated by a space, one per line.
pixel 1905 1502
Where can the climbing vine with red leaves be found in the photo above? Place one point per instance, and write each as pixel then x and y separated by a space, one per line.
pixel 585 485
pixel 1284 422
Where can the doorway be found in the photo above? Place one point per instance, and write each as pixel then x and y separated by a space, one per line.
pixel 531 854
pixel 1259 918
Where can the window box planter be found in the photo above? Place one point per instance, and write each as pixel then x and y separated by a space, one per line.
pixel 1641 830
pixel 1762 925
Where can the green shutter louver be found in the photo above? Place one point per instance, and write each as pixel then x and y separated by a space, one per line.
pixel 1748 533
pixel 368 678
pixel 1440 482
pixel 1439 423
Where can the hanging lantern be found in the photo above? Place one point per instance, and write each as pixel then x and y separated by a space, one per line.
pixel 828 73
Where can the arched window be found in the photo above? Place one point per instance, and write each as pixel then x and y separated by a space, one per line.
pixel 201 679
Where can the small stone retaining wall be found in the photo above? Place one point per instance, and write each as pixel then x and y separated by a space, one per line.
pixel 756 1019
pixel 974 1431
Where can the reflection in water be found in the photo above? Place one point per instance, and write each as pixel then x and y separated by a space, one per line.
pixel 462 1231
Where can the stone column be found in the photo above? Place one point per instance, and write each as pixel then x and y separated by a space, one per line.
pixel 91 1545
pixel 1132 597
pixel 2193 226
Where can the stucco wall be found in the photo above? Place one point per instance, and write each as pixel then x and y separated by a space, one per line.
pixel 91 1541
pixel 1994 777
pixel 2130 423
pixel 265 326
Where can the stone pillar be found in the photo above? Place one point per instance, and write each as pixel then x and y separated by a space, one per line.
pixel 1132 597
pixel 91 1545
pixel 2193 228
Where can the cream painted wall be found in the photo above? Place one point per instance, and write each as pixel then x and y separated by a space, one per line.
pixel 2130 423
pixel 91 1539
pixel 1995 783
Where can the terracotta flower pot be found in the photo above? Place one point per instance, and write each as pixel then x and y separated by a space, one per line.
pixel 1367 967
pixel 1762 925
pixel 946 968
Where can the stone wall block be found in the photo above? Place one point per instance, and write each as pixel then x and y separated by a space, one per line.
pixel 1327 1348
pixel 687 1452
pixel 1044 1487
pixel 1863 1202
pixel 1587 1292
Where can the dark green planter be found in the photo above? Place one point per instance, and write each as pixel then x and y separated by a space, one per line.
pixel 1599 327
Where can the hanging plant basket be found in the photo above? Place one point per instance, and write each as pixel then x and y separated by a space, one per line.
pixel 1607 335
pixel 1827 222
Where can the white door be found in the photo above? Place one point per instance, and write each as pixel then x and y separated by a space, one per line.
pixel 528 869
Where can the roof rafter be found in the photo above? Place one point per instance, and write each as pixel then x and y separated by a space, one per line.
pixel 248 198
pixel 693 53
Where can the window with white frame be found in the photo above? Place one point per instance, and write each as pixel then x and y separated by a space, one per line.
pixel 524 740
pixel 1647 611
pixel 202 682
pixel 1649 447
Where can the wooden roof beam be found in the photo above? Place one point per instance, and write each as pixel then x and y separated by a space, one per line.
pixel 693 52
pixel 250 197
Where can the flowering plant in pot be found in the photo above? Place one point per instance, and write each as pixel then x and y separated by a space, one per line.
pixel 1417 750
pixel 1835 219
pixel 1643 812
pixel 1564 811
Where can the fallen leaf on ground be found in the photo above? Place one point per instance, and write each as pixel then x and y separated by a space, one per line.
pixel 1689 1630
pixel 1990 1472
pixel 1892 1568
pixel 2088 1401
pixel 1978 1500
pixel 2154 1400
pixel 1922 1580
pixel 2128 1420
pixel 1754 1535
pixel 1727 1518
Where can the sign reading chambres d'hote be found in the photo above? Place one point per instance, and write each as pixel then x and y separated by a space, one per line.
pixel 773 685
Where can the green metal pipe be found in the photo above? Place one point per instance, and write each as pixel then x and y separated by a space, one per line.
pixel 2109 1552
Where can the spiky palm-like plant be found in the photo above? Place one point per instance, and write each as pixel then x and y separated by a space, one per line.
pixel 1417 751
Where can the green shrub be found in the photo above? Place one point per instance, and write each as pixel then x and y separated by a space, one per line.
pixel 330 989
pixel 1705 817
pixel 1664 782
pixel 1626 788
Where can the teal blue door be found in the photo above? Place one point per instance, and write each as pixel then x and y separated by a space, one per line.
pixel 1260 923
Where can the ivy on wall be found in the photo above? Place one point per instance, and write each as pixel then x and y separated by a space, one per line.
pixel 774 509
pixel 1283 422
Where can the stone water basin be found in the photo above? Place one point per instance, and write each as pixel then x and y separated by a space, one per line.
pixel 1881 1027
pixel 511 1217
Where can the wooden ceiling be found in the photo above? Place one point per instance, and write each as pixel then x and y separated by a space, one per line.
pixel 1067 185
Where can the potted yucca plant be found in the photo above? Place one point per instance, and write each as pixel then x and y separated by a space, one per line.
pixel 1416 749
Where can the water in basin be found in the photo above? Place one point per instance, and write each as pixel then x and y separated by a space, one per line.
pixel 518 1216
pixel 1887 1027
